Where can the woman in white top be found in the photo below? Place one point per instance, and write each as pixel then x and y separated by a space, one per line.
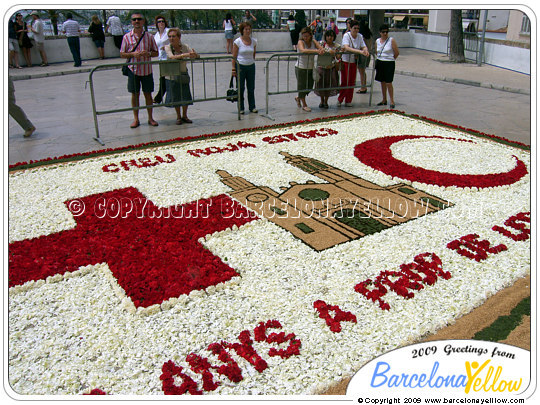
pixel 161 40
pixel 352 42
pixel 387 53
pixel 244 49
pixel 228 25
pixel 307 48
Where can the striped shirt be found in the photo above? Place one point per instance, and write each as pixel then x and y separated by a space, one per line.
pixel 71 28
pixel 148 43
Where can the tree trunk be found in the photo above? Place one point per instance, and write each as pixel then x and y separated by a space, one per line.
pixel 457 49
pixel 376 19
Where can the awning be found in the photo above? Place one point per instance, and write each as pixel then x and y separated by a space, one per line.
pixel 399 17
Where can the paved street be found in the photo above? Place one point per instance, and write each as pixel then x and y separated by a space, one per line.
pixel 57 100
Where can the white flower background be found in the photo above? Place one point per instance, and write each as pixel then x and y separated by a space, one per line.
pixel 72 333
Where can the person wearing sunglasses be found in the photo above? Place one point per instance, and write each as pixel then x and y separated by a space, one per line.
pixel 25 44
pixel 139 46
pixel 161 40
pixel 385 66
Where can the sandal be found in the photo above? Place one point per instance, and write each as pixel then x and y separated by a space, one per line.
pixel 306 108
pixel 179 121
pixel 382 103
pixel 135 124
pixel 298 102
pixel 152 123
pixel 187 120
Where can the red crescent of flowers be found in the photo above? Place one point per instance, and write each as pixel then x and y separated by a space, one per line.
pixel 377 154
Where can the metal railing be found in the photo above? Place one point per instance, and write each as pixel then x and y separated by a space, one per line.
pixel 286 81
pixel 200 78
pixel 472 47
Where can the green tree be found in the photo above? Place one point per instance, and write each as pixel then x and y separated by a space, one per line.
pixel 263 19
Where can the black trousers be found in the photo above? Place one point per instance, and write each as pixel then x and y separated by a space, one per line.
pixel 75 48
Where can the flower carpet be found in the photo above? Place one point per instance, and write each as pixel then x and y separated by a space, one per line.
pixel 272 261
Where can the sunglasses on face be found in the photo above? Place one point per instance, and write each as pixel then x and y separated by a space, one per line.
pixel 384 32
pixel 136 19
pixel 161 21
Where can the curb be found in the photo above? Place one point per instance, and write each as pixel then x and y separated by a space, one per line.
pixel 465 82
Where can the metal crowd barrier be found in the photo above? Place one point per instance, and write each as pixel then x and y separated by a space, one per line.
pixel 285 75
pixel 196 82
pixel 472 44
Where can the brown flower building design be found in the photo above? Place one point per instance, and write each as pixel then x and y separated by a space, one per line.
pixel 343 208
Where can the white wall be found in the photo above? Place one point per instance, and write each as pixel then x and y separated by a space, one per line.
pixel 439 21
pixel 209 42
pixel 496 53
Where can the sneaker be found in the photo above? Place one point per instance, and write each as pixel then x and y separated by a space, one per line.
pixel 242 112
pixel 348 104
pixel 255 111
pixel 29 132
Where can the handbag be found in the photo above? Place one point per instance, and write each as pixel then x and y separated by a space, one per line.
pixel 234 30
pixel 232 93
pixel 172 67
pixel 125 69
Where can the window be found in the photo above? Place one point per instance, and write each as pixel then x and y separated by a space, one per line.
pixel 525 25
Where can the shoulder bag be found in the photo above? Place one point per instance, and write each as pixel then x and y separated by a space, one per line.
pixel 125 69
pixel 172 68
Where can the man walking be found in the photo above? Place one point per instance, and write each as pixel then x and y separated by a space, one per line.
pixel 39 37
pixel 139 46
pixel 116 30
pixel 71 30
pixel 17 112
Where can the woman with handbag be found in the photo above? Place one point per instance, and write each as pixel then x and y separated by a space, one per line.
pixel 385 66
pixel 176 75
pixel 327 68
pixel 228 26
pixel 244 49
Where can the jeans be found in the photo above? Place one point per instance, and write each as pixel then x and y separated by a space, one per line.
pixel 75 48
pixel 247 76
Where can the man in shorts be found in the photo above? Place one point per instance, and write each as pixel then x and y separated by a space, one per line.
pixel 140 76
pixel 39 36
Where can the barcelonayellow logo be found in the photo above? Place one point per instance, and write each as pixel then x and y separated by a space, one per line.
pixel 447 367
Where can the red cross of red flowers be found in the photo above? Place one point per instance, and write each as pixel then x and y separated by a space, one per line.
pixel 153 252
